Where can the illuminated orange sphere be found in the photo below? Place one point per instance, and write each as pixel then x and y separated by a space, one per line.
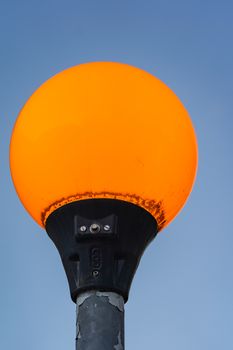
pixel 103 130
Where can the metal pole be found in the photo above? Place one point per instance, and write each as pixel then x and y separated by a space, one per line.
pixel 100 321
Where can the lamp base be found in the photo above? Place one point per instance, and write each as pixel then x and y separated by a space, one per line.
pixel 100 242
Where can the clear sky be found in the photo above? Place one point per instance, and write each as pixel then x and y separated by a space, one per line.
pixel 181 297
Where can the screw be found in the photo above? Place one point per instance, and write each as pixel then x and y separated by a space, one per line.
pixel 95 273
pixel 106 227
pixel 95 228
pixel 83 228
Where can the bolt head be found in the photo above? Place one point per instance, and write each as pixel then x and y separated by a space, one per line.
pixel 83 228
pixel 106 227
pixel 95 228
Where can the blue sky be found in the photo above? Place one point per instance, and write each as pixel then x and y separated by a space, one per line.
pixel 181 297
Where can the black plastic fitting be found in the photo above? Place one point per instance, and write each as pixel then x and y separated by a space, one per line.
pixel 101 242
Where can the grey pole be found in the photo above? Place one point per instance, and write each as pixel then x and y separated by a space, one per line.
pixel 100 321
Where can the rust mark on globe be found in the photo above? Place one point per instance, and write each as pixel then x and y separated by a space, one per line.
pixel 155 208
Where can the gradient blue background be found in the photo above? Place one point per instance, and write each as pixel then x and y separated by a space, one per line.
pixel 181 297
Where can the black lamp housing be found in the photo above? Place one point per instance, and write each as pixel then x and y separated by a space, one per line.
pixel 101 242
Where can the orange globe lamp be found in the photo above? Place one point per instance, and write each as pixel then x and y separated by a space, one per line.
pixel 104 156
pixel 103 130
